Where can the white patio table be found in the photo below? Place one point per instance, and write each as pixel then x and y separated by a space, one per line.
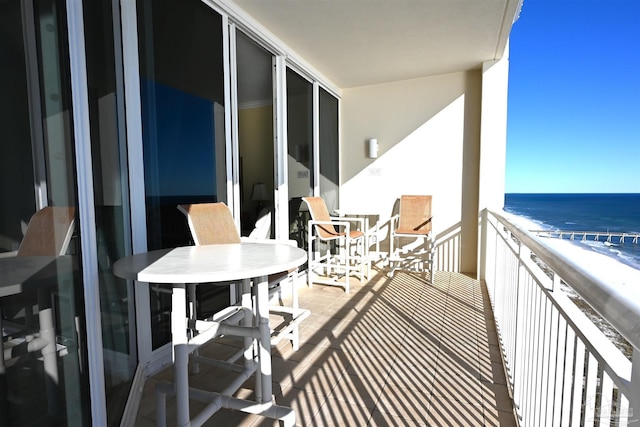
pixel 205 265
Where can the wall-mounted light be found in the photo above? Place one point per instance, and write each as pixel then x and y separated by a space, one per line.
pixel 372 145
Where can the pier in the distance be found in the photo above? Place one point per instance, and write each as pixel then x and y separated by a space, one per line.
pixel 596 236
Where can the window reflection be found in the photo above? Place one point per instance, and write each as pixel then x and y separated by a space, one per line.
pixel 43 376
pixel 181 65
pixel 300 149
pixel 328 151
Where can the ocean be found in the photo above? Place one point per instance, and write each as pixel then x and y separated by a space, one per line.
pixel 585 212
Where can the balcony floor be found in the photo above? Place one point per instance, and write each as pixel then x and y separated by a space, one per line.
pixel 392 352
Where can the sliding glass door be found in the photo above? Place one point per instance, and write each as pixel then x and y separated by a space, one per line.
pixel 300 152
pixel 183 117
pixel 43 371
pixel 255 134
pixel 328 149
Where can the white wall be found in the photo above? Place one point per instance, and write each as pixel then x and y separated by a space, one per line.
pixel 429 135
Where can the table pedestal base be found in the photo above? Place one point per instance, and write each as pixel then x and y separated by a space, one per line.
pixel 251 322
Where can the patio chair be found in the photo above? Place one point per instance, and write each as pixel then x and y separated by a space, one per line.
pixel 335 250
pixel 413 227
pixel 48 233
pixel 211 224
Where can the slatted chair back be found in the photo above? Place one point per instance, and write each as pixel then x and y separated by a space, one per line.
pixel 210 223
pixel 414 215
pixel 49 232
pixel 319 212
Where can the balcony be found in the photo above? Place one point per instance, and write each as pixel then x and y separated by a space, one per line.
pixel 402 351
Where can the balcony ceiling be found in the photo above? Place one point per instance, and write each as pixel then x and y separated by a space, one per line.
pixel 363 42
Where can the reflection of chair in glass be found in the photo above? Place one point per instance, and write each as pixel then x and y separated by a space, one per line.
pixel 298 222
pixel 26 336
pixel 412 227
pixel 48 234
pixel 211 224
pixel 335 251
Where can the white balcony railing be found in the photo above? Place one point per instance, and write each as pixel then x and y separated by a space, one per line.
pixel 562 370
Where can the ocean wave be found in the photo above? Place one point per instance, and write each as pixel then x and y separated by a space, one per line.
pixel 612 250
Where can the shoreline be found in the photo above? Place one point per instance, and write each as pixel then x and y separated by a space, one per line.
pixel 606 268
pixel 616 269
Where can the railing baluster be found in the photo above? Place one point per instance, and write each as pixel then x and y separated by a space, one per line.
pixel 569 366
pixel 634 397
pixel 591 385
pixel 622 411
pixel 606 401
pixel 551 367
pixel 561 369
pixel 537 350
pixel 559 379
pixel 578 384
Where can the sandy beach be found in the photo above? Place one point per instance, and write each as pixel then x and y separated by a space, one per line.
pixel 605 268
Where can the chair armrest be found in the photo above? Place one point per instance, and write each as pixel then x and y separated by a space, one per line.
pixel 341 221
pixel 331 222
pixel 361 221
pixel 334 222
pixel 343 229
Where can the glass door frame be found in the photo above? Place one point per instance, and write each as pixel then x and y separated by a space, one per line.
pixel 86 209
pixel 281 187
pixel 278 92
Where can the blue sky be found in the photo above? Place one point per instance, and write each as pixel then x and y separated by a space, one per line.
pixel 574 98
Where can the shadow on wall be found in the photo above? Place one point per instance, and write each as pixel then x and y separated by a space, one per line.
pixel 428 131
pixel 429 161
pixel 392 112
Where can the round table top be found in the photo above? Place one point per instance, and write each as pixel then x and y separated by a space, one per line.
pixel 210 263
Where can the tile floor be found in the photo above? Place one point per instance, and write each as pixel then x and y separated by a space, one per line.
pixel 393 352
